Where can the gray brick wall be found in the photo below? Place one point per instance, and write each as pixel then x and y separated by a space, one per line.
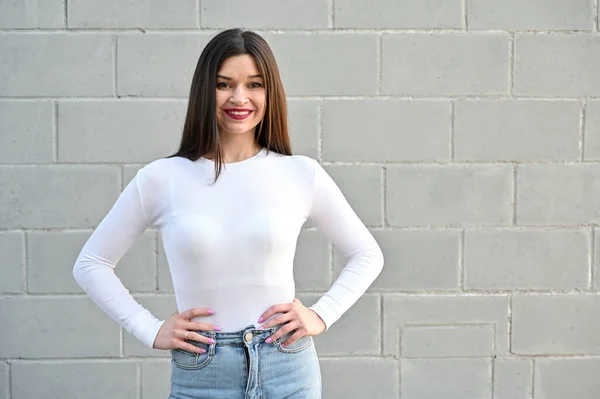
pixel 465 133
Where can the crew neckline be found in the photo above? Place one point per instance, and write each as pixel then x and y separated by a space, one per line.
pixel 260 154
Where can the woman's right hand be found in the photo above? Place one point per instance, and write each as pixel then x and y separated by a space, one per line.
pixel 171 334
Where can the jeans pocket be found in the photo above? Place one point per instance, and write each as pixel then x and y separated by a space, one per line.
pixel 297 346
pixel 187 360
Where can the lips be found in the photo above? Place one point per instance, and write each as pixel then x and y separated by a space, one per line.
pixel 238 113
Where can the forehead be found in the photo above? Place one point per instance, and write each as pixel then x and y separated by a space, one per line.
pixel 239 66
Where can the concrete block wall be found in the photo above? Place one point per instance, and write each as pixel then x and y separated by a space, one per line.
pixel 465 133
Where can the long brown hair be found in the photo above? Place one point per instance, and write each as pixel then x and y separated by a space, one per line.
pixel 200 131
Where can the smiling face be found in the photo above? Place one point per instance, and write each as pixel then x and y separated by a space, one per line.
pixel 240 97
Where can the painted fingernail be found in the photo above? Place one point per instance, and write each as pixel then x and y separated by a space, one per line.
pixel 202 351
pixel 268 340
pixel 212 341
pixel 210 311
pixel 282 345
pixel 260 320
pixel 217 328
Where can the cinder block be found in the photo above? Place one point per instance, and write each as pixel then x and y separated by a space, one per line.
pixel 156 379
pixel 399 311
pixel 132 14
pixel 530 15
pixel 51 257
pixel 31 14
pixel 316 65
pixel 52 196
pixel 558 194
pixel 572 71
pixel 303 126
pixel 437 64
pixel 448 341
pixel 56 65
pixel 74 380
pixel 415 260
pixel 265 14
pixel 555 325
pixel 526 259
pixel 119 131
pixel 524 130
pixel 567 378
pixel 158 64
pixel 591 142
pixel 362 187
pixel 398 14
pixel 449 195
pixel 397 130
pixel 12 262
pixel 312 262
pixel 512 378
pixel 36 328
pixel 360 378
pixel 27 132
pixel 446 378
pixel 357 332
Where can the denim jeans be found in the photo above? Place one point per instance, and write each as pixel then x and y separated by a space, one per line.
pixel 241 365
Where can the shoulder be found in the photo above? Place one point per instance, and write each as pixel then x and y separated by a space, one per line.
pixel 159 171
pixel 297 164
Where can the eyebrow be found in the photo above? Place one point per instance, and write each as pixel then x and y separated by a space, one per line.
pixel 249 77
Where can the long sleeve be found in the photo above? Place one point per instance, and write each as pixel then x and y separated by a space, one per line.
pixel 331 214
pixel 94 267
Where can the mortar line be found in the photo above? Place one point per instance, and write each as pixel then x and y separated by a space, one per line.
pixel 461 259
pixel 514 195
pixel 511 65
pixel 116 67
pixel 121 343
pixel 379 62
pixel 592 260
pixel 320 132
pixel 55 132
pixel 532 390
pixel 382 324
pixel 465 19
pixel 383 196
pixel 582 116
pixel 509 332
pixel 493 367
pixel 10 391
pixel 25 262
pixel 452 127
pixel 138 372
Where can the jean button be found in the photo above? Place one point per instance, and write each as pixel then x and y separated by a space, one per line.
pixel 248 337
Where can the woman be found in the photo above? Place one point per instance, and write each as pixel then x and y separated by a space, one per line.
pixel 229 206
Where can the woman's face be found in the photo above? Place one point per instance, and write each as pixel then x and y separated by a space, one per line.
pixel 241 95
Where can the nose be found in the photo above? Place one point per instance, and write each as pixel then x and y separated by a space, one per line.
pixel 238 96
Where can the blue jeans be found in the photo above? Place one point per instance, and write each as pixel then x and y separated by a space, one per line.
pixel 241 365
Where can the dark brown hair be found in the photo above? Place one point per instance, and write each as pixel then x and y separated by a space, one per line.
pixel 200 131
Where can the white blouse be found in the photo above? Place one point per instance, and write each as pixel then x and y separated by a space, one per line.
pixel 230 245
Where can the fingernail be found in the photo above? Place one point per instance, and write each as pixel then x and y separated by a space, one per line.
pixel 202 351
pixel 211 311
pixel 282 345
pixel 212 341
pixel 268 340
pixel 217 328
pixel 260 320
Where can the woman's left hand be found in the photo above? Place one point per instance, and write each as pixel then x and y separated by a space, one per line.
pixel 295 316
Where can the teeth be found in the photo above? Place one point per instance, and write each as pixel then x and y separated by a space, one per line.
pixel 239 113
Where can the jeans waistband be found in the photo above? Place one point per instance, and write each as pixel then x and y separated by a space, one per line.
pixel 248 335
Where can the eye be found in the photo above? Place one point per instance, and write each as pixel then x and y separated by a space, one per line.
pixel 255 85
pixel 221 85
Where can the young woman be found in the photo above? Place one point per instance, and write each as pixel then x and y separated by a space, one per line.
pixel 229 206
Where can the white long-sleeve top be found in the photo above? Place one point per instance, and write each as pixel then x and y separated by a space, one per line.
pixel 230 245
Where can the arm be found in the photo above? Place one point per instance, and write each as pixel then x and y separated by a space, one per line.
pixel 94 267
pixel 331 214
